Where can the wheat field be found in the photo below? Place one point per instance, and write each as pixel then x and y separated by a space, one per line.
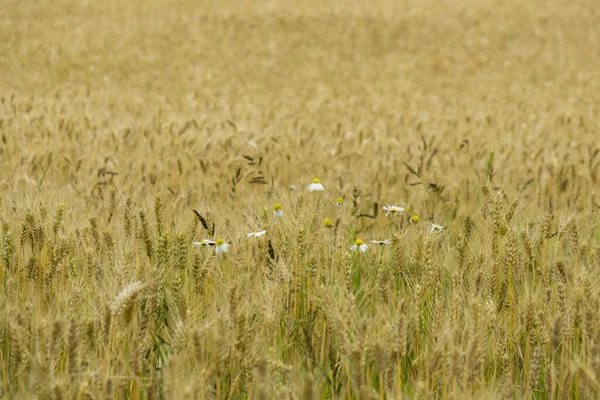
pixel 139 139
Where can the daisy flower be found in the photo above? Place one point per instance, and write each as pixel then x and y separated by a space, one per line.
pixel 436 227
pixel 278 210
pixel 327 223
pixel 204 242
pixel 339 202
pixel 415 219
pixel 359 245
pixel 385 241
pixel 315 186
pixel 392 209
pixel 256 234
pixel 222 247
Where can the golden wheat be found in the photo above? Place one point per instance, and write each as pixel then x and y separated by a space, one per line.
pixel 138 138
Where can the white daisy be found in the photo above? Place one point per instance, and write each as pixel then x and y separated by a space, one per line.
pixel 339 202
pixel 359 245
pixel 256 234
pixel 204 242
pixel 385 241
pixel 315 186
pixel 277 210
pixel 436 227
pixel 222 247
pixel 392 209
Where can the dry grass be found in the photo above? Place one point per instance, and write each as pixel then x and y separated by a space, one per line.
pixel 117 119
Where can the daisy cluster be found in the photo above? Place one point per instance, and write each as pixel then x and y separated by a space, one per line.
pixel 359 246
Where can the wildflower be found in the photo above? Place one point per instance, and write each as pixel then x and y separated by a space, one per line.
pixel 380 242
pixel 327 223
pixel 204 242
pixel 359 245
pixel 222 247
pixel 315 186
pixel 415 219
pixel 339 202
pixel 278 210
pixel 392 209
pixel 436 227
pixel 256 234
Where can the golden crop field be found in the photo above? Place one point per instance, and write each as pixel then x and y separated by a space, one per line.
pixel 142 141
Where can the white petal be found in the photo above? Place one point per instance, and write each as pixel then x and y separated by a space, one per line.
pixel 222 248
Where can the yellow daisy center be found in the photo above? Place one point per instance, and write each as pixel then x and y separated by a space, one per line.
pixel 339 200
pixel 316 180
pixel 415 219
pixel 277 207
pixel 220 242
pixel 328 223
pixel 359 242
